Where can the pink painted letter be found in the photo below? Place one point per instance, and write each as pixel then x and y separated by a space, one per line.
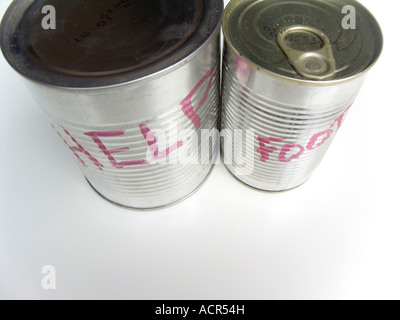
pixel 264 150
pixel 152 142
pixel 79 148
pixel 187 106
pixel 312 143
pixel 119 165
pixel 287 148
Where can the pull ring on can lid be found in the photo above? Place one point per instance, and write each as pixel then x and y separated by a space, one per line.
pixel 313 65
pixel 252 29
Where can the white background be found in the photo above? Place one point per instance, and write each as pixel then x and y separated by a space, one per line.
pixel 337 236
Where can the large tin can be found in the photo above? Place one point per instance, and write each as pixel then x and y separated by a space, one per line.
pixel 123 82
pixel 291 71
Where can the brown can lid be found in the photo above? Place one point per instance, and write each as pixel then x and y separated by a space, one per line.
pixel 307 40
pixel 104 42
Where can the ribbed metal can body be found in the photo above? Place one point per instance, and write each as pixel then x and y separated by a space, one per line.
pixel 290 121
pixel 129 135
pixel 293 124
pixel 112 139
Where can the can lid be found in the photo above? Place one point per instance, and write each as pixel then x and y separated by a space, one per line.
pixel 104 42
pixel 305 40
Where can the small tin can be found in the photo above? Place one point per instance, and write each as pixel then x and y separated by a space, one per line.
pixel 122 81
pixel 291 71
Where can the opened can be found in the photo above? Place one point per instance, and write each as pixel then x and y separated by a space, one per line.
pixel 291 71
pixel 122 81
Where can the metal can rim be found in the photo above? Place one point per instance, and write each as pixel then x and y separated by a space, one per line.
pixel 149 77
pixel 153 75
pixel 228 41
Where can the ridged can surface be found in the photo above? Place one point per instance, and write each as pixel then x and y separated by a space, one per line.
pixel 291 71
pixel 127 86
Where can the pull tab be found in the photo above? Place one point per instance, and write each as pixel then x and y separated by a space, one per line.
pixel 312 65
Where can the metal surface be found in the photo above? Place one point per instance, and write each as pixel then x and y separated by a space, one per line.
pixel 114 112
pixel 251 28
pixel 311 64
pixel 294 114
pixel 103 42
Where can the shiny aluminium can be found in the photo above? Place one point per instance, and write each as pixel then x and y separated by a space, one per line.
pixel 291 71
pixel 126 84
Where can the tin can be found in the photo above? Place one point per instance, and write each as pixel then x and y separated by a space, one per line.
pixel 291 71
pixel 122 81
